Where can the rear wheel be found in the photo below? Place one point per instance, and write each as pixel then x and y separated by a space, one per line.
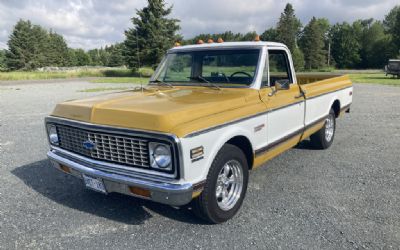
pixel 225 186
pixel 323 138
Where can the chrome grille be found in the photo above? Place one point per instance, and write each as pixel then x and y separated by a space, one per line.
pixel 114 148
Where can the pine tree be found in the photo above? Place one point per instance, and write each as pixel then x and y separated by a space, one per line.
pixel 20 47
pixel 396 32
pixel 56 51
pixel 312 44
pixel 153 33
pixel 115 55
pixel 392 27
pixel 2 60
pixel 71 61
pixel 288 29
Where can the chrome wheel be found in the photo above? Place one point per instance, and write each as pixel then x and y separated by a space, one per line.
pixel 229 185
pixel 329 127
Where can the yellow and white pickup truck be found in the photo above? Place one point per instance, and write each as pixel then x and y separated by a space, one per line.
pixel 210 113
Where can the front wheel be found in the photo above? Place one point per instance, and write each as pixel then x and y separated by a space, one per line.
pixel 225 186
pixel 323 138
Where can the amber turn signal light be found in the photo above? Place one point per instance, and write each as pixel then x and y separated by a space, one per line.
pixel 140 191
pixel 65 169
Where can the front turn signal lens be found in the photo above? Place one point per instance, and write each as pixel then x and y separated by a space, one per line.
pixel 140 191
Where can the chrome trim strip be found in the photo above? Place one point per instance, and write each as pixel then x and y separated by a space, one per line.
pixel 196 133
pixel 171 138
pixel 238 120
pixel 111 167
pixel 276 143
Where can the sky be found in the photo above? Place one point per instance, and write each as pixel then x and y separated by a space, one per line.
pixel 91 24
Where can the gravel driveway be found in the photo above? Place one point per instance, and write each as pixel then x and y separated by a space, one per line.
pixel 344 198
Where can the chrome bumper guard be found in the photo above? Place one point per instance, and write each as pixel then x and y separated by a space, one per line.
pixel 167 193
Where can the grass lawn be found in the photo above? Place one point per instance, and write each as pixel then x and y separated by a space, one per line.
pixel 137 80
pixel 374 78
pixel 92 90
pixel 111 73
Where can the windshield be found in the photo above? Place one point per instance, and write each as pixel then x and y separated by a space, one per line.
pixel 226 68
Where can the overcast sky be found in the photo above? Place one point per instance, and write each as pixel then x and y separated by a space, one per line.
pixel 93 23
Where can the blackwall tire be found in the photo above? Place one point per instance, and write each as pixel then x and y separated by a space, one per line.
pixel 225 187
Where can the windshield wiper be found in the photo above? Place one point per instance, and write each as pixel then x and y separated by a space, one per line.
pixel 202 79
pixel 159 83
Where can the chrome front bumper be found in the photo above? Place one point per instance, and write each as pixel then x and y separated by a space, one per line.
pixel 173 194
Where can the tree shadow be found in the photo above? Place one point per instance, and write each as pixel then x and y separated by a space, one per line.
pixel 69 191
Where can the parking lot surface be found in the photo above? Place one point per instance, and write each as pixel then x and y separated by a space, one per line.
pixel 346 197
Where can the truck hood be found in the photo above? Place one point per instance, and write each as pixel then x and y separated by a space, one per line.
pixel 155 109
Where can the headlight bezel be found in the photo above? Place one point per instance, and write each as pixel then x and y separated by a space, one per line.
pixel 52 134
pixel 157 164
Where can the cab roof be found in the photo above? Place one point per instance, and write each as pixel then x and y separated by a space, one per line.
pixel 226 45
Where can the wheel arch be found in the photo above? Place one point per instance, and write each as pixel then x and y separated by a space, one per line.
pixel 244 144
pixel 336 107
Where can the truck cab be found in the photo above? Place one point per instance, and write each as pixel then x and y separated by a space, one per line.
pixel 210 114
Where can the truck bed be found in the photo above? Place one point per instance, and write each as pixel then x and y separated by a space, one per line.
pixel 317 84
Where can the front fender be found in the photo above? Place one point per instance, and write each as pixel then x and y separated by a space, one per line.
pixel 212 142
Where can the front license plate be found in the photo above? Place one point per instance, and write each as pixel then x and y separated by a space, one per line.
pixel 95 184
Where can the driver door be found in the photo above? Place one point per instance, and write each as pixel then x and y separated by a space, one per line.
pixel 285 107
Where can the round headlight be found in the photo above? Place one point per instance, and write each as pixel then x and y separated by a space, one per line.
pixel 53 136
pixel 162 156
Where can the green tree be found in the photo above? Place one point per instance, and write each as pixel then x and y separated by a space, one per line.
pixel 312 44
pixel 396 31
pixel 104 56
pixel 345 45
pixel 392 27
pixel 227 36
pixel 288 29
pixel 71 58
pixel 270 34
pixel 115 55
pixel 370 33
pixel 2 59
pixel 20 54
pixel 82 58
pixel 95 59
pixel 249 36
pixel 56 51
pixel 390 21
pixel 152 34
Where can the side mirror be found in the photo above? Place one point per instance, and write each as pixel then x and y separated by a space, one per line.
pixel 280 85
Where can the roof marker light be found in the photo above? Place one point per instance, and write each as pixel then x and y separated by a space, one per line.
pixel 257 38
pixel 200 41
pixel 210 40
pixel 177 44
pixel 220 40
